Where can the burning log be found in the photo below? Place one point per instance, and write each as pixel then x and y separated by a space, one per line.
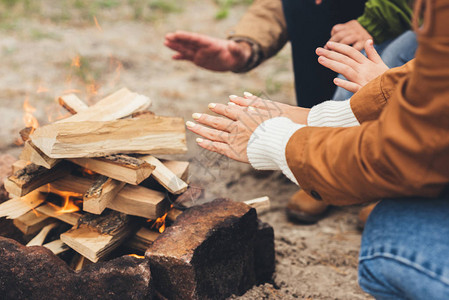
pixel 51 211
pixel 57 247
pixel 39 274
pixel 120 167
pixel 143 239
pixel 31 222
pixel 100 193
pixel 31 177
pixel 17 207
pixel 72 103
pixel 139 201
pixel 165 176
pixel 163 135
pixel 39 239
pixel 117 105
pixel 96 236
pixel 32 154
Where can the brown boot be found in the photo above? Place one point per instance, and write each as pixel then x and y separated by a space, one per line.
pixel 364 214
pixel 305 209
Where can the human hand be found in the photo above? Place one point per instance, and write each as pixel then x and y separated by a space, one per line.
pixel 350 33
pixel 353 65
pixel 274 109
pixel 207 52
pixel 228 135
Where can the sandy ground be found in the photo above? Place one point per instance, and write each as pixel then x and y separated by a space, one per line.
pixel 312 262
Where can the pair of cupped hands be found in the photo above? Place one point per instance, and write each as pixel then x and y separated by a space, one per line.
pixel 229 131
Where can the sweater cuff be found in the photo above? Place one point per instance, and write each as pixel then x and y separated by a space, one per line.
pixel 332 114
pixel 266 146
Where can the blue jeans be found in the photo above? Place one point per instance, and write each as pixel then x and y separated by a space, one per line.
pixel 405 250
pixel 394 53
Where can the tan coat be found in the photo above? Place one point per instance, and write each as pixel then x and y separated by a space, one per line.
pixel 402 146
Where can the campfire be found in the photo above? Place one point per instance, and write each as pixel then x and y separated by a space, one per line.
pixel 89 185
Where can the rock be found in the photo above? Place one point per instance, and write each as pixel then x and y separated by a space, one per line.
pixel 208 253
pixel 36 273
pixel 264 255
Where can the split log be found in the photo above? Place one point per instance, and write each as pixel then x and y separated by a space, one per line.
pixel 32 222
pixel 96 236
pixel 117 105
pixel 159 135
pixel 14 208
pixel 39 239
pixel 79 262
pixel 25 133
pixel 179 168
pixel 32 154
pixel 143 239
pixel 19 164
pixel 139 201
pixel 101 192
pixel 72 103
pixel 132 200
pixel 261 204
pixel 52 211
pixel 190 197
pixel 33 176
pixel 165 176
pixel 121 167
pixel 57 247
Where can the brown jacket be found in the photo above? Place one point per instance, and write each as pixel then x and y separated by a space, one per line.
pixel 402 146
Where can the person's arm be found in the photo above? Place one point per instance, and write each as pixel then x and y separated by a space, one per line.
pixel 386 19
pixel 264 27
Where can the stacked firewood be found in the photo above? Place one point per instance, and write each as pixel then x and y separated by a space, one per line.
pixel 100 162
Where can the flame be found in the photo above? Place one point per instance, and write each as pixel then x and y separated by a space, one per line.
pixel 69 205
pixel 97 25
pixel 28 118
pixel 159 224
pixel 92 88
pixel 76 62
pixel 136 256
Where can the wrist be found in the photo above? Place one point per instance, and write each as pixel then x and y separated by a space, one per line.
pixel 246 53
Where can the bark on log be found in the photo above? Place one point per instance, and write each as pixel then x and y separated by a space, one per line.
pixel 96 236
pixel 100 193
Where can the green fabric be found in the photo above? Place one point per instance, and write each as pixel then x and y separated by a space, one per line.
pixel 385 19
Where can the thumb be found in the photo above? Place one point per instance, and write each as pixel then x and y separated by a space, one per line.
pixel 235 49
pixel 371 53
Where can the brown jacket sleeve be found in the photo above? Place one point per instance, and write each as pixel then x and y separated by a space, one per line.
pixel 368 103
pixel 405 152
pixel 265 25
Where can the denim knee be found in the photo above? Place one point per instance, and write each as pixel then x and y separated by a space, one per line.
pixel 404 251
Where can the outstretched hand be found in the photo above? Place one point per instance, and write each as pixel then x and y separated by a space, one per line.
pixel 353 65
pixel 229 133
pixel 350 33
pixel 208 52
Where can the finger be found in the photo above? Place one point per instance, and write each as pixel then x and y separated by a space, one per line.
pixel 347 50
pixel 358 46
pixel 221 148
pixel 228 111
pixel 193 39
pixel 337 28
pixel 347 85
pixel 208 133
pixel 214 122
pixel 335 56
pixel 182 48
pixel 249 100
pixel 337 37
pixel 338 67
pixel 371 52
pixel 180 56
pixel 349 40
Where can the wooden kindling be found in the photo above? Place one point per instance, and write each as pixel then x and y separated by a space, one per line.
pixel 32 222
pixel 100 193
pixel 96 236
pixel 159 135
